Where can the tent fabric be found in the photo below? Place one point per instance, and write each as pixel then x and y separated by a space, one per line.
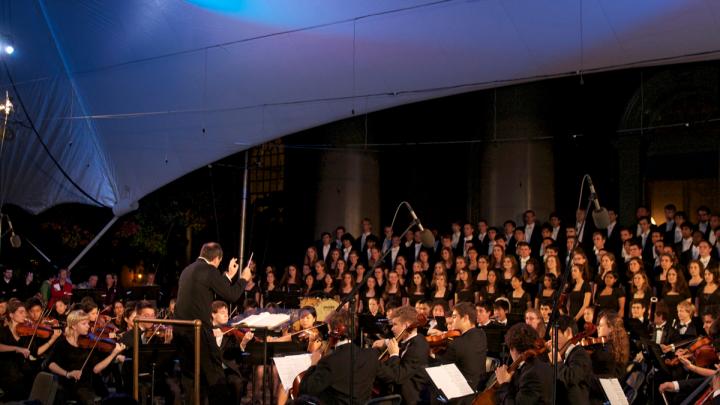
pixel 130 95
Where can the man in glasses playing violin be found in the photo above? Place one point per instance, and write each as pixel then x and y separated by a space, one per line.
pixel 408 351
pixel 469 350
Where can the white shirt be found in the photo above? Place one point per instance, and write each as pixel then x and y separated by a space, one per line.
pixel 455 239
pixel 393 254
pixel 582 231
pixel 465 240
pixel 702 226
pixel 418 246
pixel 611 227
pixel 678 234
pixel 362 240
pixel 644 238
pixel 686 244
pixel 659 332
pixel 346 253
pixel 326 250
pixel 695 252
pixel 669 225
pixel 555 232
pixel 523 262
pixel 705 260
pixel 528 231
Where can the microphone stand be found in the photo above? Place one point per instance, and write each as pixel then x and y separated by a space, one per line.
pixel 563 280
pixel 350 298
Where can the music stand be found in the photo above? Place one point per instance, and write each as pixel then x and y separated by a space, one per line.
pixel 145 292
pixel 94 293
pixel 284 299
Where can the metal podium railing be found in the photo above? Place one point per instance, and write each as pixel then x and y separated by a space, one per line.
pixel 136 352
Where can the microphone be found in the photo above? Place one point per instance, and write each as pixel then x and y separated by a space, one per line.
pixel 600 214
pixel 15 241
pixel 427 238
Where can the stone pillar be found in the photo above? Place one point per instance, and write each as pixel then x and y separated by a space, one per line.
pixel 348 190
pixel 631 185
pixel 517 166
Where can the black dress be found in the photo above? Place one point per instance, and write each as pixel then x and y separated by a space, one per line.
pixel 577 299
pixel 518 305
pixel 448 296
pixel 466 294
pixel 671 300
pixel 711 300
pixel 486 296
pixel 70 358
pixel 394 298
pixel 16 373
pixel 416 296
pixel 611 301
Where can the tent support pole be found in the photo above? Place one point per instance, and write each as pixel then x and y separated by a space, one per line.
pixel 93 242
pixel 243 210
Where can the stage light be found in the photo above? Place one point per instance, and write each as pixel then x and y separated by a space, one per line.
pixel 9 49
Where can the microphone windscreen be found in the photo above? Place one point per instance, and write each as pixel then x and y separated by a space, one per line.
pixel 15 241
pixel 601 218
pixel 427 239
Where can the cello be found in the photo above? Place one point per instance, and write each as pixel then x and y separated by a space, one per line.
pixel 489 395
pixel 335 335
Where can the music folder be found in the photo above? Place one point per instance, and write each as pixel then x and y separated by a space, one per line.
pixel 450 381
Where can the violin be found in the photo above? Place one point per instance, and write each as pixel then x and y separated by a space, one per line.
pixel 159 332
pixel 91 340
pixel 438 343
pixel 702 351
pixel 592 341
pixel 419 322
pixel 29 329
pixel 338 332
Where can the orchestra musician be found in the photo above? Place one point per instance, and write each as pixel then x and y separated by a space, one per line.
pixel 227 340
pixel 328 376
pixel 15 351
pixel 468 351
pixel 199 283
pixel 150 334
pixel 408 350
pixel 69 360
pixel 532 382
pixel 574 368
pixel 610 360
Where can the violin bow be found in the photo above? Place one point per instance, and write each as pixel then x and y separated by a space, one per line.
pixel 43 315
pixel 97 340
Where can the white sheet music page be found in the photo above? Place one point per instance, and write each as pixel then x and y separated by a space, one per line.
pixel 613 391
pixel 289 367
pixel 264 320
pixel 450 381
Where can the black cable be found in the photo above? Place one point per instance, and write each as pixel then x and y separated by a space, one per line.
pixel 45 147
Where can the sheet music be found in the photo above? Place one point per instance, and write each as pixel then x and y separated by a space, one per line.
pixel 450 381
pixel 264 320
pixel 289 367
pixel 613 391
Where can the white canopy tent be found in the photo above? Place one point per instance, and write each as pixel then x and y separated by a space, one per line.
pixel 129 95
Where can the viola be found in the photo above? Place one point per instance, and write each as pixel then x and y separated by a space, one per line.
pixel 702 351
pixel 29 329
pixel 91 340
pixel 438 343
pixel 591 341
pixel 419 322
pixel 239 335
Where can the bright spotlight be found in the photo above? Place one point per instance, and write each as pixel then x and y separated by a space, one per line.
pixel 9 49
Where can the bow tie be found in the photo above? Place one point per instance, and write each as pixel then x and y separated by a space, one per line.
pixel 660 328
pixel 682 325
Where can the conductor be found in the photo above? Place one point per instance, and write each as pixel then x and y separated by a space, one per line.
pixel 200 283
